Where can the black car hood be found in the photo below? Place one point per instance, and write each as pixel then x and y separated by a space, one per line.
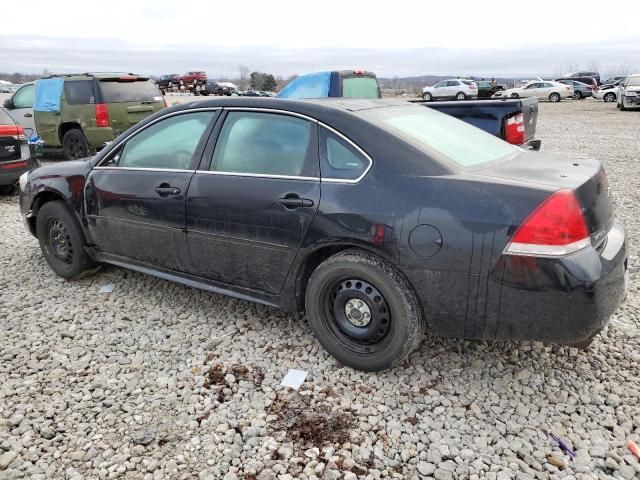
pixel 63 169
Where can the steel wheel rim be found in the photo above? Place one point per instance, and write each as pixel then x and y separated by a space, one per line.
pixel 59 241
pixel 344 303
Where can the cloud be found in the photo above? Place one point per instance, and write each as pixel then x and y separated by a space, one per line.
pixel 32 54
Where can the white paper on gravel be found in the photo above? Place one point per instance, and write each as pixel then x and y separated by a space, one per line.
pixel 108 288
pixel 294 378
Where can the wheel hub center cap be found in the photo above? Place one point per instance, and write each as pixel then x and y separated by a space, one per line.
pixel 357 312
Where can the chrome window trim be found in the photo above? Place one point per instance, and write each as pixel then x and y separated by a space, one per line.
pixel 147 169
pixel 124 139
pixel 238 174
pixel 258 175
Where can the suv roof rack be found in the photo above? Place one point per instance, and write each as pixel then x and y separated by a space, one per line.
pixel 92 74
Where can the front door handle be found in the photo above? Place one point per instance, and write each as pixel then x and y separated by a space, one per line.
pixel 165 190
pixel 28 115
pixel 292 200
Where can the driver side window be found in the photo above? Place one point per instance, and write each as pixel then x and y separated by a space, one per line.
pixel 170 143
pixel 23 98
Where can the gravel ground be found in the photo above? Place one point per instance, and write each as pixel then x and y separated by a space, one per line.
pixel 156 380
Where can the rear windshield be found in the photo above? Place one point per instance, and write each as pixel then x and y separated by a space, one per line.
pixel 138 91
pixel 5 119
pixel 441 136
pixel 360 87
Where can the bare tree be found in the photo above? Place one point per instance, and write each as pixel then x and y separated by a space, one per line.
pixel 244 76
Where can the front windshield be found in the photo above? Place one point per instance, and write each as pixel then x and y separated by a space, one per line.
pixel 634 82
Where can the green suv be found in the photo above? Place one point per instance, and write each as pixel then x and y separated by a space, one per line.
pixel 79 113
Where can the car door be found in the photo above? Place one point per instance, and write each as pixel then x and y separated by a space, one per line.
pixel 531 90
pixel 440 89
pixel 22 111
pixel 250 204
pixel 135 197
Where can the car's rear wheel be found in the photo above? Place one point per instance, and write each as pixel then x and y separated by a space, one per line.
pixel 609 97
pixel 61 240
pixel 461 96
pixel 363 311
pixel 554 97
pixel 74 144
pixel 427 97
pixel 577 95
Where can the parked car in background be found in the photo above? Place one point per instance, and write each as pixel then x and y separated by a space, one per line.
pixel 608 92
pixel 588 80
pixel 338 83
pixel 552 91
pixel 79 113
pixel 369 215
pixel 6 87
pixel 580 90
pixel 629 92
pixel 486 89
pixel 194 78
pixel 168 82
pixel 452 89
pixel 251 93
pixel 614 80
pixel 584 75
pixel 15 155
pixel 521 82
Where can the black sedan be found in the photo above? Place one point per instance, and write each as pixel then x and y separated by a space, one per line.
pixel 382 220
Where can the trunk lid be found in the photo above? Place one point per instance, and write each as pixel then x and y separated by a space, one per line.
pixel 129 100
pixel 585 177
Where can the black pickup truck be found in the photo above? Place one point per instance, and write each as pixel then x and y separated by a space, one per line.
pixel 512 119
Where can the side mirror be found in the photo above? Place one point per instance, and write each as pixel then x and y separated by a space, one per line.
pixel 8 104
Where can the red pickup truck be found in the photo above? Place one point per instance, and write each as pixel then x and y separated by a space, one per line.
pixel 193 78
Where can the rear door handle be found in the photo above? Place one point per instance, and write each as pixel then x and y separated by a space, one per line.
pixel 294 201
pixel 165 190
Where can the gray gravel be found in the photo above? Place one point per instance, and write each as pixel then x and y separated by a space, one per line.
pixel 156 380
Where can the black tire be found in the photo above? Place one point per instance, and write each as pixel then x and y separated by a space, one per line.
pixel 74 144
pixel 609 97
pixel 394 325
pixel 577 95
pixel 554 97
pixel 622 107
pixel 427 97
pixel 461 96
pixel 61 240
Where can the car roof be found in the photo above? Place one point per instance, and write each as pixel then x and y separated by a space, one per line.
pixel 98 75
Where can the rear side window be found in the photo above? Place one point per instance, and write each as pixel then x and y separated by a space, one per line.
pixel 339 160
pixel 127 91
pixel 262 144
pixel 440 135
pixel 360 87
pixel 79 93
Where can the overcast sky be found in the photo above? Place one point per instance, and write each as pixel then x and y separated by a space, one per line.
pixel 403 38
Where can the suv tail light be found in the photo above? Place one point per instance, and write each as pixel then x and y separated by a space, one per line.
pixel 514 130
pixel 102 115
pixel 14 131
pixel 557 227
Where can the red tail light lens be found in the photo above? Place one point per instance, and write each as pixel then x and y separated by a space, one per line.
pixel 557 227
pixel 102 115
pixel 514 130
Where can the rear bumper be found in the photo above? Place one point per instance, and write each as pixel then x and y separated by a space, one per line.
pixel 563 300
pixel 11 176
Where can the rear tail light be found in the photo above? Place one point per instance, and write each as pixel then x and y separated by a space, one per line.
pixel 358 72
pixel 14 131
pixel 13 165
pixel 514 130
pixel 102 115
pixel 557 227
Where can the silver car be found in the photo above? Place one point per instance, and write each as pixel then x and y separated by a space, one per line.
pixel 629 92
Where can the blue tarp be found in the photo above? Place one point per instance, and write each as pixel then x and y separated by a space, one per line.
pixel 48 93
pixel 312 85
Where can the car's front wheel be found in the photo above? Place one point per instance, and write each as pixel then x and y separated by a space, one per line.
pixel 74 144
pixel 609 97
pixel 461 96
pixel 363 311
pixel 61 240
pixel 427 97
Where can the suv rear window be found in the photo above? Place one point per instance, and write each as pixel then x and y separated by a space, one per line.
pixel 79 93
pixel 441 136
pixel 360 87
pixel 127 91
